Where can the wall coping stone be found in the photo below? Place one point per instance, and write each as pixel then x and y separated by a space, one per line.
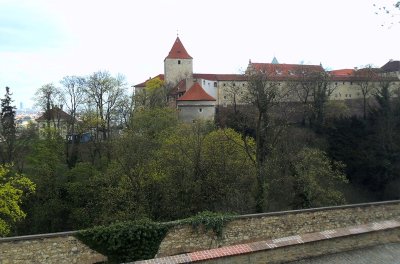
pixel 38 236
pixel 315 209
pixel 272 244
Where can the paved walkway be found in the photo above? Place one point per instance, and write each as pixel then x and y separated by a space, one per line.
pixel 383 254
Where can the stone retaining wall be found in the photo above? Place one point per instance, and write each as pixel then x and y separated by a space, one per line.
pixel 65 248
pixel 287 249
pixel 47 248
pixel 257 227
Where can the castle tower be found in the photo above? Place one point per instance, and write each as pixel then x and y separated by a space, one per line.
pixel 178 64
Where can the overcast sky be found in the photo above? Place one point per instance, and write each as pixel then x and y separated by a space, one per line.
pixel 43 40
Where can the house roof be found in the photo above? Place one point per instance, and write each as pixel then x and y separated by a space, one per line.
pixel 196 93
pixel 143 84
pixel 284 71
pixel 178 51
pixel 342 72
pixel 364 74
pixel 206 76
pixel 55 114
pixel 179 88
pixel 391 66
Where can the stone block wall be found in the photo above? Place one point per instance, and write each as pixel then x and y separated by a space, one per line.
pixel 48 248
pixel 65 248
pixel 257 227
pixel 293 248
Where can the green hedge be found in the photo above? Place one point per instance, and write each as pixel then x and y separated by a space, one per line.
pixel 125 241
pixel 138 240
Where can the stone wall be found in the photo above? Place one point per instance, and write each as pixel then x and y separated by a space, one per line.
pixel 312 249
pixel 48 248
pixel 257 227
pixel 65 248
pixel 298 247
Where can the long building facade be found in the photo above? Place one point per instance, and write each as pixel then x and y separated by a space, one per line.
pixel 197 95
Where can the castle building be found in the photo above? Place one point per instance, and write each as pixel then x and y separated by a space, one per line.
pixel 197 95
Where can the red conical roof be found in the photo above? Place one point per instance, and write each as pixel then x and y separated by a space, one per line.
pixel 178 51
pixel 196 93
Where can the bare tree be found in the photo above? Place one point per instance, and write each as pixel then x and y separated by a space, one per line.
pixel 365 79
pixel 264 93
pixel 105 91
pixel 389 13
pixel 154 94
pixel 233 92
pixel 47 98
pixel 124 110
pixel 322 90
pixel 72 96
pixel 302 84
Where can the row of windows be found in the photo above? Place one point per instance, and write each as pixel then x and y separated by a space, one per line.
pixel 346 95
pixel 351 83
pixel 233 84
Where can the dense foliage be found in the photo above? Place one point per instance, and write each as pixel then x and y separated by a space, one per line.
pixel 137 240
pixel 14 187
pixel 125 241
pixel 142 163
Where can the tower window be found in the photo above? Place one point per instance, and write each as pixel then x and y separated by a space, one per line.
pixel 179 61
pixel 200 110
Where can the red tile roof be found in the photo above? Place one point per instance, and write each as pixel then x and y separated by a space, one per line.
pixel 55 114
pixel 365 74
pixel 285 70
pixel 143 84
pixel 196 93
pixel 206 76
pixel 342 72
pixel 178 51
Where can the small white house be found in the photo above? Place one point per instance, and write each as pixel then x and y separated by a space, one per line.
pixel 196 104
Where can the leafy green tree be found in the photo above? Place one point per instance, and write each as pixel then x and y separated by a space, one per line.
pixel 125 188
pixel 47 209
pixel 231 178
pixel 317 180
pixel 24 145
pixel 370 147
pixel 83 184
pixel 153 95
pixel 199 168
pixel 280 180
pixel 8 127
pixel 14 187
